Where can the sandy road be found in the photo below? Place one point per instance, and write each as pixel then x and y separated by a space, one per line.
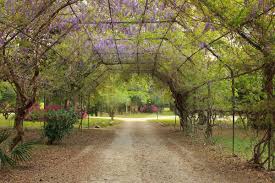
pixel 138 154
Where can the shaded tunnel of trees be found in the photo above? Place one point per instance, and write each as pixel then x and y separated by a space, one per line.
pixel 215 57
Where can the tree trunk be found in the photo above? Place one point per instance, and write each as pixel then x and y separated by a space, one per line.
pixel 208 130
pixel 75 103
pixel 180 103
pixel 96 111
pixel 179 96
pixel 18 124
pixel 22 107
pixel 112 114
pixel 67 104
pixel 268 72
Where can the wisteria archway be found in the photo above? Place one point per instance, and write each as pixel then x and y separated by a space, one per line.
pixel 187 44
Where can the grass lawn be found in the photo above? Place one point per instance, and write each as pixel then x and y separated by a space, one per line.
pixel 168 122
pixel 244 139
pixel 8 123
pixel 145 115
pixel 137 115
pixel 102 122
pixel 243 145
pixel 167 113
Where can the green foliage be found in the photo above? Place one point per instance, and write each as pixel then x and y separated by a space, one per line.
pixel 7 97
pixel 249 89
pixel 59 123
pixel 5 159
pixel 132 91
pixel 4 135
pixel 21 152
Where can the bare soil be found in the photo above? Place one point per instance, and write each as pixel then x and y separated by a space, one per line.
pixel 131 152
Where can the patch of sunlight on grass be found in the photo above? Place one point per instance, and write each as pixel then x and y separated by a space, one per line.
pixel 146 115
pixel 168 122
pixel 137 115
pixel 102 122
pixel 8 123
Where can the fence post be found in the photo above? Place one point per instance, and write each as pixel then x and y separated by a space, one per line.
pixel 233 111
pixel 88 111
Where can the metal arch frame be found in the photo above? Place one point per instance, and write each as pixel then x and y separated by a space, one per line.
pixel 143 21
pixel 88 34
pixel 133 70
pixel 111 17
pixel 165 35
pixel 140 27
pixel 161 42
pixel 189 58
pixel 220 37
pixel 164 38
pixel 129 22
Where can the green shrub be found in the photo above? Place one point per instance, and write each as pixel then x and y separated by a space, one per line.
pixel 59 123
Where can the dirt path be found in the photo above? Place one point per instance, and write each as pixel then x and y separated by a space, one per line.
pixel 132 152
pixel 138 154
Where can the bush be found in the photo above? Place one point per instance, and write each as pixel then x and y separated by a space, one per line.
pixel 149 108
pixel 53 107
pixel 59 123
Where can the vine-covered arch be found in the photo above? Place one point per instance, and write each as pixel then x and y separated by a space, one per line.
pixel 187 44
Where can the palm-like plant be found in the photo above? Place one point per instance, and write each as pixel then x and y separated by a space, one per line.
pixel 20 152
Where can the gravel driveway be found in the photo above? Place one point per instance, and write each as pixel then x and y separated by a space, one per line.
pixel 138 154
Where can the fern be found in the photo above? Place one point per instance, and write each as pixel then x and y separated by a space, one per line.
pixel 22 151
pixel 4 135
pixel 6 160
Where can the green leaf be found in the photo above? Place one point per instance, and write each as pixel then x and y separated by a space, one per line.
pixel 4 135
pixel 22 151
pixel 6 160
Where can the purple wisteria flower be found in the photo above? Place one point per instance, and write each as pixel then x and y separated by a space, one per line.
pixel 208 26
pixel 2 42
pixel 10 6
pixel 260 3
pixel 202 45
